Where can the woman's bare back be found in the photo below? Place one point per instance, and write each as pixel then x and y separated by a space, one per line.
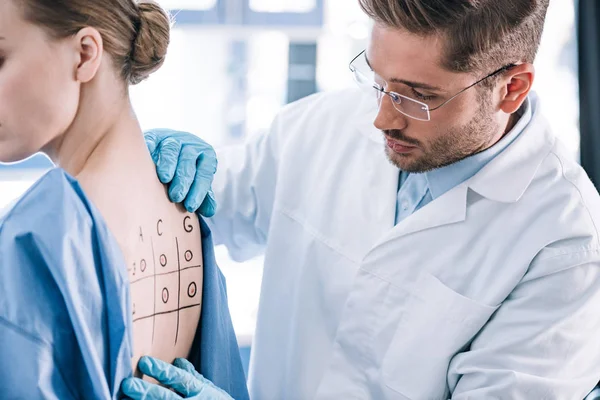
pixel 161 244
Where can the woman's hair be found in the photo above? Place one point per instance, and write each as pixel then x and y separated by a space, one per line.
pixel 135 33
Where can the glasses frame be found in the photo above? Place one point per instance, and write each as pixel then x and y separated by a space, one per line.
pixel 394 95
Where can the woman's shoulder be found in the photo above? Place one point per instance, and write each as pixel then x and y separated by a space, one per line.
pixel 51 204
pixel 52 222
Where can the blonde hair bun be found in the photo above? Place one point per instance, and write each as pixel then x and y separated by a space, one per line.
pixel 151 43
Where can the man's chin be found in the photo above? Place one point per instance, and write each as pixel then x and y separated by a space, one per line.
pixel 407 162
pixel 399 160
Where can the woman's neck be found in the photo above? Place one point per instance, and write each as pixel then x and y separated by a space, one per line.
pixel 104 119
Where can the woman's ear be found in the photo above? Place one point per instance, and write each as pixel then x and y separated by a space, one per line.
pixel 89 46
pixel 516 86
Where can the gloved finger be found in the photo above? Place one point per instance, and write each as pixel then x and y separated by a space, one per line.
pixel 167 156
pixel 206 167
pixel 208 208
pixel 151 139
pixel 137 389
pixel 181 381
pixel 216 392
pixel 185 173
pixel 187 366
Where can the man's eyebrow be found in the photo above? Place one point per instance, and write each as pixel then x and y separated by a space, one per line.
pixel 415 85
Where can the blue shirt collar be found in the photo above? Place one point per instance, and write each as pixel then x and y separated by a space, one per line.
pixel 443 179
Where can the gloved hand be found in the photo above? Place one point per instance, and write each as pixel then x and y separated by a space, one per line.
pixel 189 164
pixel 181 376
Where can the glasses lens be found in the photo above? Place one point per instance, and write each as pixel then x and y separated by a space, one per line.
pixel 373 84
pixel 363 76
pixel 362 80
pixel 412 108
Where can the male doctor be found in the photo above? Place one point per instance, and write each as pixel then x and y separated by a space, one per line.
pixel 450 251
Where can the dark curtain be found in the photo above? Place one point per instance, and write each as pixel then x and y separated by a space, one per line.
pixel 588 31
pixel 588 37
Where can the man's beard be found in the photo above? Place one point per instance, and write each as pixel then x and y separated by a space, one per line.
pixel 456 144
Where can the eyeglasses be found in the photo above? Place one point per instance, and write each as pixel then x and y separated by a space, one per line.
pixel 366 78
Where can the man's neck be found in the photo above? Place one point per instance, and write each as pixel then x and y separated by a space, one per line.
pixel 512 121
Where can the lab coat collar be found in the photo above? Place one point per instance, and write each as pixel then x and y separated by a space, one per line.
pixel 506 178
pixel 443 179
pixel 450 208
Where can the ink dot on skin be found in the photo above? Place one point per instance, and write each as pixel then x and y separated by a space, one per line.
pixel 143 265
pixel 192 289
pixel 165 295
pixel 163 260
pixel 188 256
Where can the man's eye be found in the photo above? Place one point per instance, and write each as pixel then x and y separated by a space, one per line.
pixel 423 97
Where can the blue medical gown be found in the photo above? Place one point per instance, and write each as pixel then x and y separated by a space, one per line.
pixel 65 317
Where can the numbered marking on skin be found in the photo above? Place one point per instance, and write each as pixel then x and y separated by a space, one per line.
pixel 192 289
pixel 165 295
pixel 186 224
pixel 163 260
pixel 188 256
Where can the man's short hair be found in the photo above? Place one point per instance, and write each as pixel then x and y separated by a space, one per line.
pixel 479 35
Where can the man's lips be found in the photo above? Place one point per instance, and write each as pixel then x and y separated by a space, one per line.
pixel 398 146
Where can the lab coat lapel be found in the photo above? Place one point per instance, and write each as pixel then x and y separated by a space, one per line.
pixel 448 209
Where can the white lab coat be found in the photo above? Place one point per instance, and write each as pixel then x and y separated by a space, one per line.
pixel 492 291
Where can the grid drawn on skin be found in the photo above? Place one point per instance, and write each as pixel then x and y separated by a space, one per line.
pixel 171 280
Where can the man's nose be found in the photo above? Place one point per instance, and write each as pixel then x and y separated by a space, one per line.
pixel 388 118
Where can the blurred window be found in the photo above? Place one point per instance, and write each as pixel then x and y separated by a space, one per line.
pixel 188 4
pixel 279 6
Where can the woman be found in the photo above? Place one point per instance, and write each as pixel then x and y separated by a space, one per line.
pixel 88 283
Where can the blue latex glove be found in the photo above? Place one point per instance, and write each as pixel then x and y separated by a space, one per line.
pixel 181 377
pixel 189 164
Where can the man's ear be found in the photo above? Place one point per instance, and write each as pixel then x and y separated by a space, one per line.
pixel 90 50
pixel 516 85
